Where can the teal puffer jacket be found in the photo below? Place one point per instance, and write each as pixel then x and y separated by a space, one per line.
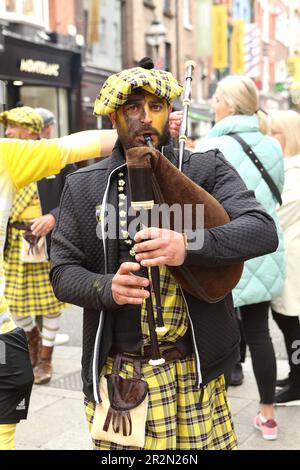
pixel 263 277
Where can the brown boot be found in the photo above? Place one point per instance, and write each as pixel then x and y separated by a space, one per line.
pixel 43 371
pixel 34 342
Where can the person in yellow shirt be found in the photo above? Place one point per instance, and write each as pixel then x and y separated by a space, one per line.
pixel 21 162
pixel 26 257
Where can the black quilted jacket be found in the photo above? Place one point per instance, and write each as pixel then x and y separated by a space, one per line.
pixel 83 266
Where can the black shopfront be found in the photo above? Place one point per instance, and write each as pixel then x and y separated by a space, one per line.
pixel 43 74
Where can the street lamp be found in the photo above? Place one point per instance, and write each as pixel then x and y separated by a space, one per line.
pixel 155 36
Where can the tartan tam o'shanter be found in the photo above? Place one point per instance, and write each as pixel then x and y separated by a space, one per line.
pixel 118 87
pixel 23 116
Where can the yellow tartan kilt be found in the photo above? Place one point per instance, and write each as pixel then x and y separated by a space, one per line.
pixel 176 418
pixel 27 285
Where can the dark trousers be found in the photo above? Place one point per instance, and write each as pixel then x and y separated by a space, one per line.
pixel 254 325
pixel 290 328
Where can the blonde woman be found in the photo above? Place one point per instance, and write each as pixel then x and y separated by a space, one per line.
pixel 236 109
pixel 285 127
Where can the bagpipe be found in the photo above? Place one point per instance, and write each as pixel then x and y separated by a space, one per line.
pixel 154 180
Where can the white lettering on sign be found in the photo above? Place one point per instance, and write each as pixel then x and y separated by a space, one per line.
pixel 40 67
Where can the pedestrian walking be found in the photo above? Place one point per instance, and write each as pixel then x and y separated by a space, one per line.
pixel 27 249
pixel 285 127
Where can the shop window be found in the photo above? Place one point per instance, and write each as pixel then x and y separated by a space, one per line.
pixel 168 56
pixel 103 34
pixel 28 11
pixel 11 5
pixel 149 4
pixel 187 14
pixel 168 9
pixel 54 99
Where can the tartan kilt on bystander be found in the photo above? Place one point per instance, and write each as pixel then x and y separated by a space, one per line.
pixel 27 285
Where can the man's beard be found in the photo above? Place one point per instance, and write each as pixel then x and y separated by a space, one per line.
pixel 129 141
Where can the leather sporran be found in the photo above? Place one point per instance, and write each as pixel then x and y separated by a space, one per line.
pixel 121 416
pixel 34 252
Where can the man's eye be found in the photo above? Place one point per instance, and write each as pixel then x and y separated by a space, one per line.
pixel 131 107
pixel 156 107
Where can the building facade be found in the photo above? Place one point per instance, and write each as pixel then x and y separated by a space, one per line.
pixel 40 65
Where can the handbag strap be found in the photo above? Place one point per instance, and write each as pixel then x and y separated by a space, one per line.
pixel 254 158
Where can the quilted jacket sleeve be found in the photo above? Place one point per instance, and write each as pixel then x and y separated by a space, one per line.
pixel 251 231
pixel 71 281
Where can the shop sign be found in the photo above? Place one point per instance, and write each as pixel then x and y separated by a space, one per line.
pixel 38 64
pixel 237 48
pixel 39 67
pixel 219 36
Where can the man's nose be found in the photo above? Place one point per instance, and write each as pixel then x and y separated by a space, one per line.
pixel 7 132
pixel 146 115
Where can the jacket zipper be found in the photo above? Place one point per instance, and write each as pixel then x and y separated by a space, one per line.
pixel 103 207
pixel 198 367
pixel 95 360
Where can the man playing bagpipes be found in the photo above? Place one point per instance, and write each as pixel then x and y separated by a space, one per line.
pixel 147 389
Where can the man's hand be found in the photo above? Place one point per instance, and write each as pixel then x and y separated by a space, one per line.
pixel 175 120
pixel 127 288
pixel 157 247
pixel 43 225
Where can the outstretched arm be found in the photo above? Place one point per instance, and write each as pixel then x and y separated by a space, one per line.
pixel 27 160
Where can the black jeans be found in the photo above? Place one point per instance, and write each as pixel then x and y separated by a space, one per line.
pixel 255 328
pixel 290 327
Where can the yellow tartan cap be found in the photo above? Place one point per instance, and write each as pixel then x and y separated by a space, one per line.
pixel 118 87
pixel 23 116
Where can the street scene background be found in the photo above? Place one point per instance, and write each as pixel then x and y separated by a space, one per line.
pixel 58 53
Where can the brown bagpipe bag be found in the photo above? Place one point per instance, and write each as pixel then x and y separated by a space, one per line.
pixel 151 174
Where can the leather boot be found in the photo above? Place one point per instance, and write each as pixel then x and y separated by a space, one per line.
pixel 237 376
pixel 34 342
pixel 43 371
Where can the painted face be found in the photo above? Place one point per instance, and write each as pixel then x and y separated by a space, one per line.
pixel 13 131
pixel 143 114
pixel 220 106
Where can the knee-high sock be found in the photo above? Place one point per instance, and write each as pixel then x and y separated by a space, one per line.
pixel 27 323
pixel 50 328
pixel 7 436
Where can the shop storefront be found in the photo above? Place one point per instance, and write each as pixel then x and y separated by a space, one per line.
pixel 43 74
pixel 92 81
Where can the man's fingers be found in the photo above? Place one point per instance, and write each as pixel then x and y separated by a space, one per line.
pixel 130 280
pixel 148 245
pixel 129 300
pixel 127 292
pixel 34 226
pixel 160 261
pixel 149 255
pixel 126 268
pixel 146 234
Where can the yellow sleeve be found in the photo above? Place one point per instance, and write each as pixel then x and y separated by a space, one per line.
pixel 28 161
